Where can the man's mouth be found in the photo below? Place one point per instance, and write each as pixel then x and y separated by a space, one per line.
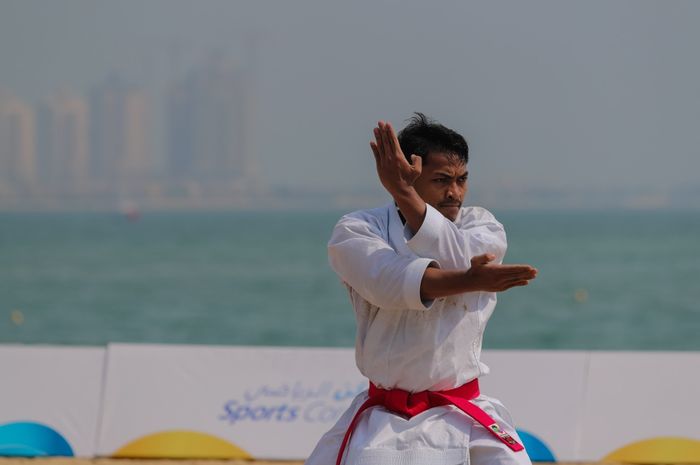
pixel 452 204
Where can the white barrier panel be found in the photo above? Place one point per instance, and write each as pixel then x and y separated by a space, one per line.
pixel 642 407
pixel 544 391
pixel 49 400
pixel 223 402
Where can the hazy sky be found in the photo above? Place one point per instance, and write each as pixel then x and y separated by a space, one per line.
pixel 585 97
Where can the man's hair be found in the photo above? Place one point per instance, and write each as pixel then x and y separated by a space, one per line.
pixel 423 136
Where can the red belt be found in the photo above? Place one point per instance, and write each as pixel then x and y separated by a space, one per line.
pixel 410 404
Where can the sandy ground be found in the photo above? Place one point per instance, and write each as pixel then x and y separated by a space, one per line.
pixel 75 461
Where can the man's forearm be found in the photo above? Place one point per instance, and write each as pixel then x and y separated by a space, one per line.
pixel 412 207
pixel 481 276
pixel 438 283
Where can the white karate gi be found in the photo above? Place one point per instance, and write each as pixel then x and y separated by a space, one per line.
pixel 406 343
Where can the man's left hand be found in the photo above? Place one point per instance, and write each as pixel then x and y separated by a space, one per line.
pixel 396 174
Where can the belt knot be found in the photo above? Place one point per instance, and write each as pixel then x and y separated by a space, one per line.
pixel 412 403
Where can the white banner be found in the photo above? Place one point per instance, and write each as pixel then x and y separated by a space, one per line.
pixel 223 402
pixel 49 400
pixel 544 391
pixel 642 407
pixel 275 403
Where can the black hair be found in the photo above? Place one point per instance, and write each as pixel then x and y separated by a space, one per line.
pixel 423 136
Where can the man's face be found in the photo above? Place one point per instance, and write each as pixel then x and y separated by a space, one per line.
pixel 443 183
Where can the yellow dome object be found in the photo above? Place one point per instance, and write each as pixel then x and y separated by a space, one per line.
pixel 17 317
pixel 182 445
pixel 658 450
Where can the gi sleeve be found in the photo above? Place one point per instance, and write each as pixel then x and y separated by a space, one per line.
pixel 364 260
pixel 454 245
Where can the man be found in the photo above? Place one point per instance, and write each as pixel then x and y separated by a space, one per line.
pixel 422 273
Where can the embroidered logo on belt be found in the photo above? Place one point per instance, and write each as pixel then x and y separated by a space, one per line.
pixel 502 434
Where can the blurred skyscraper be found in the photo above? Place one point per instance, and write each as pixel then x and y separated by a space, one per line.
pixel 62 142
pixel 17 146
pixel 119 151
pixel 207 130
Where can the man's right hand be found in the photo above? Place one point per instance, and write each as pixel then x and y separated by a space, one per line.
pixel 482 276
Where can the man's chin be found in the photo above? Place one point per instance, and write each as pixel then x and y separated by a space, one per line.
pixel 449 212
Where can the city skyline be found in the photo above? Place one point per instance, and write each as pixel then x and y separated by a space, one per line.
pixel 578 105
pixel 98 143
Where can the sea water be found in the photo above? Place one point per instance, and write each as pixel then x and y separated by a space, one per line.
pixel 613 280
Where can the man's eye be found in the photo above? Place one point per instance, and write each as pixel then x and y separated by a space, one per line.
pixel 463 179
pixel 442 180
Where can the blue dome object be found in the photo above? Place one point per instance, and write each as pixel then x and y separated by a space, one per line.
pixel 536 448
pixel 27 439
